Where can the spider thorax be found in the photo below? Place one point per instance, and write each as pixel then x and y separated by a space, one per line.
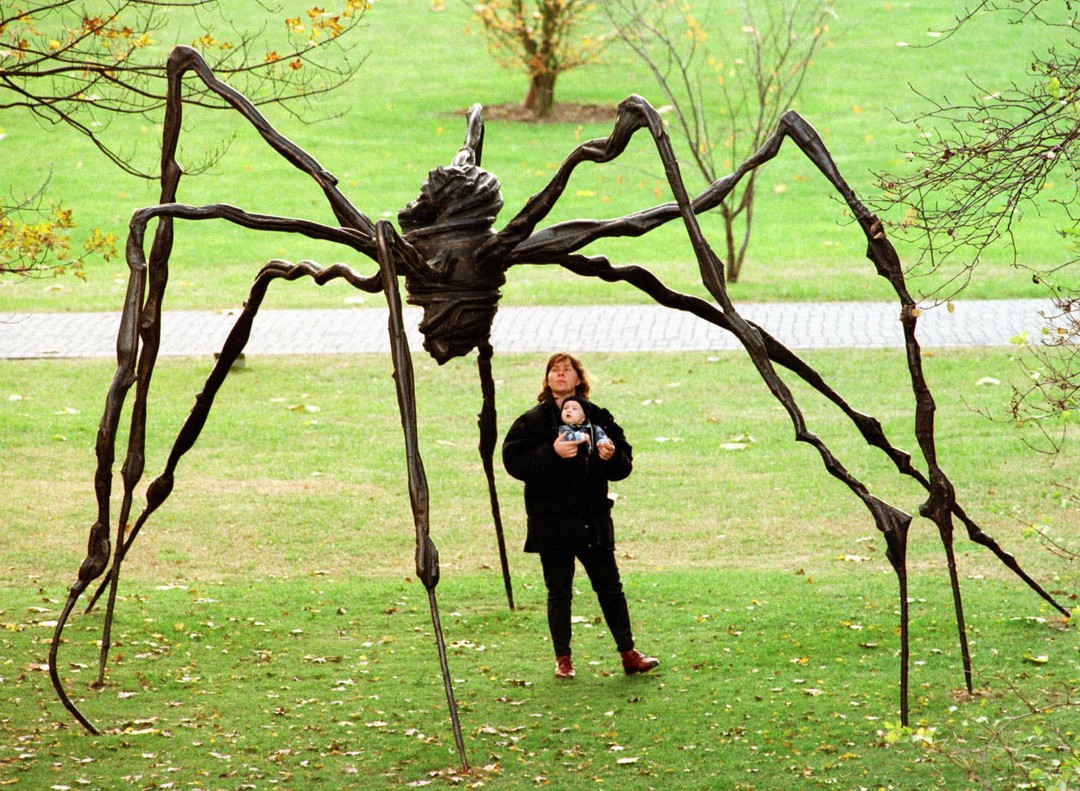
pixel 447 224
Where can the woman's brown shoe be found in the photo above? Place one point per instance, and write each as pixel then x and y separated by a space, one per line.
pixel 564 667
pixel 633 661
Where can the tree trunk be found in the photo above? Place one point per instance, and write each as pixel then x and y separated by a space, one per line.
pixel 731 266
pixel 541 96
pixel 736 252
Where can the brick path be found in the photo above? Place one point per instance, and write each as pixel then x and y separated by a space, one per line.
pixel 530 329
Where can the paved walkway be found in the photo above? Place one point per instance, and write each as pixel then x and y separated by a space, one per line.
pixel 531 329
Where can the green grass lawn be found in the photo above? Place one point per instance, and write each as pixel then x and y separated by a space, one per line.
pixel 403 114
pixel 270 633
pixel 769 680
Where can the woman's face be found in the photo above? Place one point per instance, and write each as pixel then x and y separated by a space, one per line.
pixel 563 379
pixel 572 413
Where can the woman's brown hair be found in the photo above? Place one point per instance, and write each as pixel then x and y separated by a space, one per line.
pixel 582 388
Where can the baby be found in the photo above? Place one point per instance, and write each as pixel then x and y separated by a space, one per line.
pixel 576 426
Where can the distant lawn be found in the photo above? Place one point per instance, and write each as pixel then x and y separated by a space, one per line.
pixel 306 448
pixel 404 115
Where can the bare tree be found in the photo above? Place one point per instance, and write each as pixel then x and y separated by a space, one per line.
pixel 1048 393
pixel 543 38
pixel 726 87
pixel 76 69
pixel 977 167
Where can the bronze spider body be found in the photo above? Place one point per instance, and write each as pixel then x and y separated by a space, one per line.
pixel 454 263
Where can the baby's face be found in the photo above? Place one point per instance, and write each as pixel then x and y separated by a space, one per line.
pixel 572 413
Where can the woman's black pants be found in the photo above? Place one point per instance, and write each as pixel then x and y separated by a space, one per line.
pixel 599 564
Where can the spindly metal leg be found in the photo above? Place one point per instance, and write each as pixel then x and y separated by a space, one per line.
pixel 427 556
pixel 891 521
pixel 958 605
pixel 98 545
pixel 557 244
pixel 142 308
pixel 54 649
pixel 488 435
pixel 635 113
pixel 161 487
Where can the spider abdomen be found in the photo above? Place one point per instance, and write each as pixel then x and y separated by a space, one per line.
pixel 456 320
pixel 447 224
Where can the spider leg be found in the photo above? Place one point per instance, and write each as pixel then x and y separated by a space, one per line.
pixel 184 59
pixel 139 338
pixel 161 487
pixel 427 555
pixel 486 420
pixel 892 522
pixel 142 306
pixel 141 317
pixel 636 113
pixel 869 426
pixel 135 365
pixel 536 208
pixel 134 466
pixel 556 243
pixel 141 322
pixel 472 150
pixel 520 242
pixel 98 544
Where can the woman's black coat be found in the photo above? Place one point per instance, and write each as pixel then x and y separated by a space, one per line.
pixel 566 500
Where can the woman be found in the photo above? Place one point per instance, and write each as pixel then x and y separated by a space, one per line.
pixel 569 513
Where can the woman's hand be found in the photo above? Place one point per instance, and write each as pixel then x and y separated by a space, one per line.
pixel 605 448
pixel 566 448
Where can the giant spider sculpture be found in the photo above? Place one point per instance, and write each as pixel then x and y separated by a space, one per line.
pixel 454 263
